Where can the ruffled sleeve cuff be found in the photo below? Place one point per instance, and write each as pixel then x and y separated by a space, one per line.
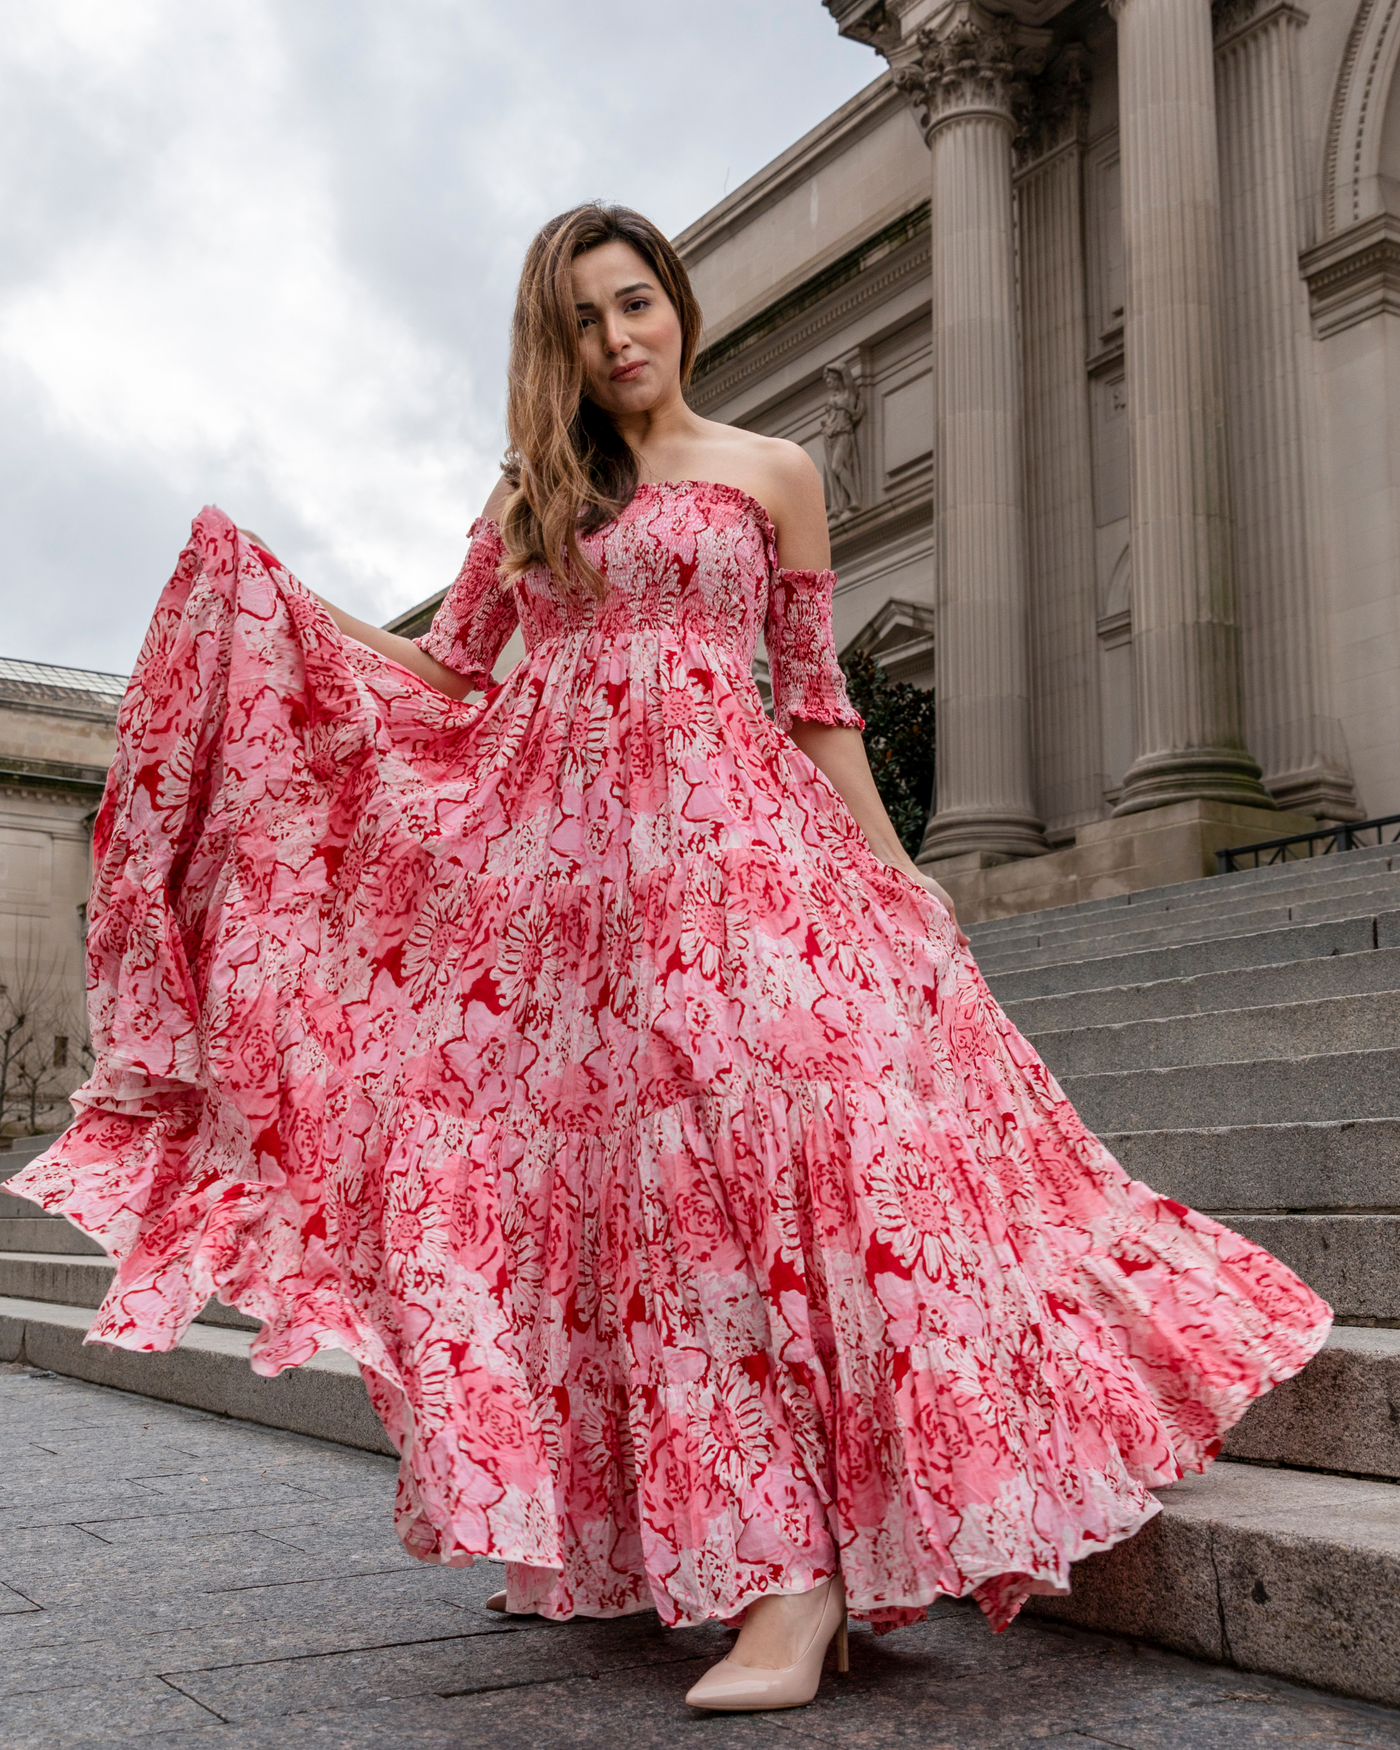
pixel 806 677
pixel 477 614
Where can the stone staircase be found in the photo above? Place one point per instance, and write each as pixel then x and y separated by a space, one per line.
pixel 1235 1041
pixel 52 1277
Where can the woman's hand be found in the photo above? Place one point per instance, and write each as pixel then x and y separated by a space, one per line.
pixel 907 866
pixel 400 650
pixel 840 754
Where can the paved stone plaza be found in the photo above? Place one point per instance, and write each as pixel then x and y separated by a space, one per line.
pixel 174 1579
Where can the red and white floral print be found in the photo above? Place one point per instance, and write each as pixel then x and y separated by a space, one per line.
pixel 696 1217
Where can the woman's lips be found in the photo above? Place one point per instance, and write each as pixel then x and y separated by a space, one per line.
pixel 625 373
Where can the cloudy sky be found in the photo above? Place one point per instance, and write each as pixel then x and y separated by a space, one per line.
pixel 262 252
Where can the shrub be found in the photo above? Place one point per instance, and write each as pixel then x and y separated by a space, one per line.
pixel 899 742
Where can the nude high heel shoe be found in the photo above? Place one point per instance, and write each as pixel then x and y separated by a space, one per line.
pixel 734 1688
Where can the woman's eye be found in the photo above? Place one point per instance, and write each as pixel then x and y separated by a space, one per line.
pixel 634 304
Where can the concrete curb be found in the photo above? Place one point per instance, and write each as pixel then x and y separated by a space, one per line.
pixel 325 1397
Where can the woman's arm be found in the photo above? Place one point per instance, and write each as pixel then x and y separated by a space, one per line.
pixel 840 754
pixel 798 507
pixel 400 650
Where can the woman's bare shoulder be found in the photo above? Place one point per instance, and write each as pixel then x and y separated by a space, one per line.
pixel 775 471
pixel 784 479
pixel 774 457
pixel 496 503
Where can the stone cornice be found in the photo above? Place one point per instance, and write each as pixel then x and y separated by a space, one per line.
pixel 53 775
pixel 741 354
pixel 880 23
pixel 64 702
pixel 1354 275
pixel 874 22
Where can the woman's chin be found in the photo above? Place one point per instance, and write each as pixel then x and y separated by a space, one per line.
pixel 639 395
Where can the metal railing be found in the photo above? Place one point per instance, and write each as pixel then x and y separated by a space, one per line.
pixel 1352 835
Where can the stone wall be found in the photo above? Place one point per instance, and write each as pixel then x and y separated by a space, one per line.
pixel 57 739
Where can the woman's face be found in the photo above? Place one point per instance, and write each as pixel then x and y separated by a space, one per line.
pixel 629 332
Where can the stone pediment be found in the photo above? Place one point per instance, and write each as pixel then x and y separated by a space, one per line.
pixel 900 637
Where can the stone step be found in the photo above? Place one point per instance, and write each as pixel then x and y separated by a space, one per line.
pixel 1259 912
pixel 1294 981
pixel 1352 1261
pixel 1344 1167
pixel 1284 1571
pixel 1343 1084
pixel 1271 1031
pixel 324 1397
pixel 1170 933
pixel 1341 1413
pixel 23 1150
pixel 42 1232
pixel 1167 928
pixel 1376 891
pixel 1294 877
pixel 1188 960
pixel 66 1280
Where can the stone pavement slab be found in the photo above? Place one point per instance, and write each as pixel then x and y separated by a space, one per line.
pixel 171 1581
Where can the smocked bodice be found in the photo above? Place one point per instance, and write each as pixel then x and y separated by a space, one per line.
pixel 687 560
pixel 695 561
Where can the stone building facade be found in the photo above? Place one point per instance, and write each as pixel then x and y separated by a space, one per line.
pixel 1100 306
pixel 57 739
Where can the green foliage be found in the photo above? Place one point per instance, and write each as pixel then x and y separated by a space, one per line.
pixel 899 741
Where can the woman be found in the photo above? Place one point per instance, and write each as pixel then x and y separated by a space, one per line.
pixel 594 1066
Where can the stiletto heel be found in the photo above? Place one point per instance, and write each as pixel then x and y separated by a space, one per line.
pixel 733 1688
pixel 843 1649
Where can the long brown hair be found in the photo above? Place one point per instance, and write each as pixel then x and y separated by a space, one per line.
pixel 571 468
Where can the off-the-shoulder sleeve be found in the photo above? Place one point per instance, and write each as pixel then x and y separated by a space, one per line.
pixel 477 615
pixel 806 677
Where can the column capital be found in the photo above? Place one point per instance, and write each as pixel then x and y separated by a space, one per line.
pixel 1233 19
pixel 1055 111
pixel 970 62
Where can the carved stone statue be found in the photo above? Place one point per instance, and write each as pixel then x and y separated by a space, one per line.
pixel 840 417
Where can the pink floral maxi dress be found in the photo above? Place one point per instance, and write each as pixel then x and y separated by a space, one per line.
pixel 698 1220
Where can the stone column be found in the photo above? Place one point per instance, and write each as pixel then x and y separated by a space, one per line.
pixel 1287 706
pixel 1190 739
pixel 1066 731
pixel 965 79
